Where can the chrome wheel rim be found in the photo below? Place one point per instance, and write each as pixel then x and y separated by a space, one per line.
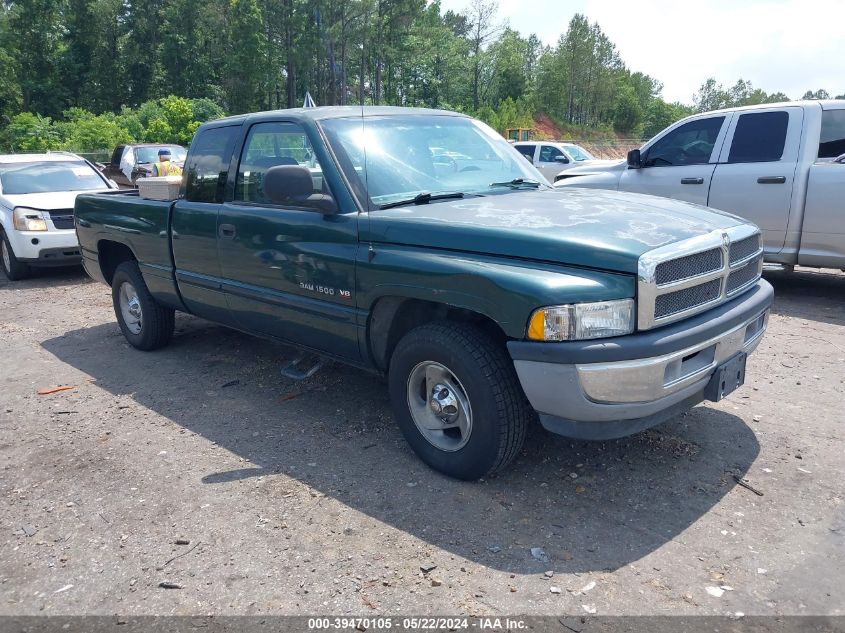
pixel 130 307
pixel 7 261
pixel 439 406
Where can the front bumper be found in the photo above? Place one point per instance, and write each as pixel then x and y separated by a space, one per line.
pixel 51 248
pixel 615 387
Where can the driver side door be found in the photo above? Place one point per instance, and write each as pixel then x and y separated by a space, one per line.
pixel 289 271
pixel 680 164
pixel 551 161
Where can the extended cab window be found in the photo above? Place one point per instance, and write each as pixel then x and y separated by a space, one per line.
pixel 208 164
pixel 759 137
pixel 832 140
pixel 268 145
pixel 548 154
pixel 690 144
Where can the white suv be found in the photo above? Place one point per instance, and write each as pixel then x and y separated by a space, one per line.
pixel 37 193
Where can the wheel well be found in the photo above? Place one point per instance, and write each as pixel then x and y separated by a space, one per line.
pixel 393 317
pixel 112 255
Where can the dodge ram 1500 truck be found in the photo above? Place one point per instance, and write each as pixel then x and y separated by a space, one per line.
pixel 488 298
pixel 781 166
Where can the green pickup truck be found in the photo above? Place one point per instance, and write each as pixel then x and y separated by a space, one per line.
pixel 420 245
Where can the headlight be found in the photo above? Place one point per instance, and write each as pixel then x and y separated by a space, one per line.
pixel 25 219
pixel 581 321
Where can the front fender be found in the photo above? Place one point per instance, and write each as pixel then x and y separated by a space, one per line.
pixel 506 291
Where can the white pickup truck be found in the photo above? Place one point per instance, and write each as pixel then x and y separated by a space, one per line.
pixel 782 166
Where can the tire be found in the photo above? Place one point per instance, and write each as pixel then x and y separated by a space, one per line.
pixel 480 381
pixel 13 269
pixel 145 323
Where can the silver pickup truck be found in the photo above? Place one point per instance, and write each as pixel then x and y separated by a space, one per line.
pixel 782 166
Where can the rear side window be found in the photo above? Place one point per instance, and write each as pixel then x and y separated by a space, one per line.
pixel 527 151
pixel 208 164
pixel 690 144
pixel 832 141
pixel 759 137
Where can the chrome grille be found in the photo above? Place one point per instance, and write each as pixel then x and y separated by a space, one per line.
pixel 744 276
pixel 680 300
pixel 688 267
pixel 743 249
pixel 680 280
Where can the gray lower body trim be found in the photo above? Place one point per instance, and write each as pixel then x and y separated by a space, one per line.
pixel 56 257
pixel 615 428
pixel 555 390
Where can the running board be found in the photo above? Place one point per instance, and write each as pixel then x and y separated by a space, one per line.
pixel 292 370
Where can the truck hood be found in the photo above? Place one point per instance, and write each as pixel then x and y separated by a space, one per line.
pixel 592 165
pixel 45 201
pixel 607 230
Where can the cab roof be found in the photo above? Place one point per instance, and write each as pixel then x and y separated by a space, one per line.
pixel 334 112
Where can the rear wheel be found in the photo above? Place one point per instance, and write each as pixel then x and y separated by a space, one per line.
pixel 457 399
pixel 145 323
pixel 13 269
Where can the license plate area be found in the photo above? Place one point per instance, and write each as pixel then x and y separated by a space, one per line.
pixel 728 377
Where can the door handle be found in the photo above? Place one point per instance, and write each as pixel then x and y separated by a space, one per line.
pixel 771 180
pixel 226 231
pixel 692 181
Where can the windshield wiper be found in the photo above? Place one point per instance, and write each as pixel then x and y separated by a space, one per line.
pixel 516 183
pixel 423 198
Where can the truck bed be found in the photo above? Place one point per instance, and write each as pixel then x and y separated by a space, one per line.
pixel 142 225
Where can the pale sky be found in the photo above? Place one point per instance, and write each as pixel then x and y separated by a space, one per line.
pixel 786 46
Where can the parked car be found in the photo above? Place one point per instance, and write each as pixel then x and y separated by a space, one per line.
pixel 781 166
pixel 553 158
pixel 486 296
pixel 37 192
pixel 131 162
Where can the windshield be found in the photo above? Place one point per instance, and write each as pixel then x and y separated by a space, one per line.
pixel 578 153
pixel 398 157
pixel 150 154
pixel 48 177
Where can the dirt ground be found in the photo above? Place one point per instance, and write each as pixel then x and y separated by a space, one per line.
pixel 304 498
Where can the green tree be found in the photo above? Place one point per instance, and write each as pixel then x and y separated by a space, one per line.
pixel 193 50
pixel 83 131
pixel 661 115
pixel 818 94
pixel 35 28
pixel 628 113
pixel 29 132
pixel 245 71
pixel 141 50
pixel 10 90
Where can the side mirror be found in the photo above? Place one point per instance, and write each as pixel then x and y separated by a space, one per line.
pixel 292 185
pixel 561 159
pixel 839 159
pixel 635 161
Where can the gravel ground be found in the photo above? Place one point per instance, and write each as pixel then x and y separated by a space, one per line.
pixel 303 498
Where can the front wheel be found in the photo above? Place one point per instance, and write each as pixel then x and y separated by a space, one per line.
pixel 14 269
pixel 145 323
pixel 457 399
